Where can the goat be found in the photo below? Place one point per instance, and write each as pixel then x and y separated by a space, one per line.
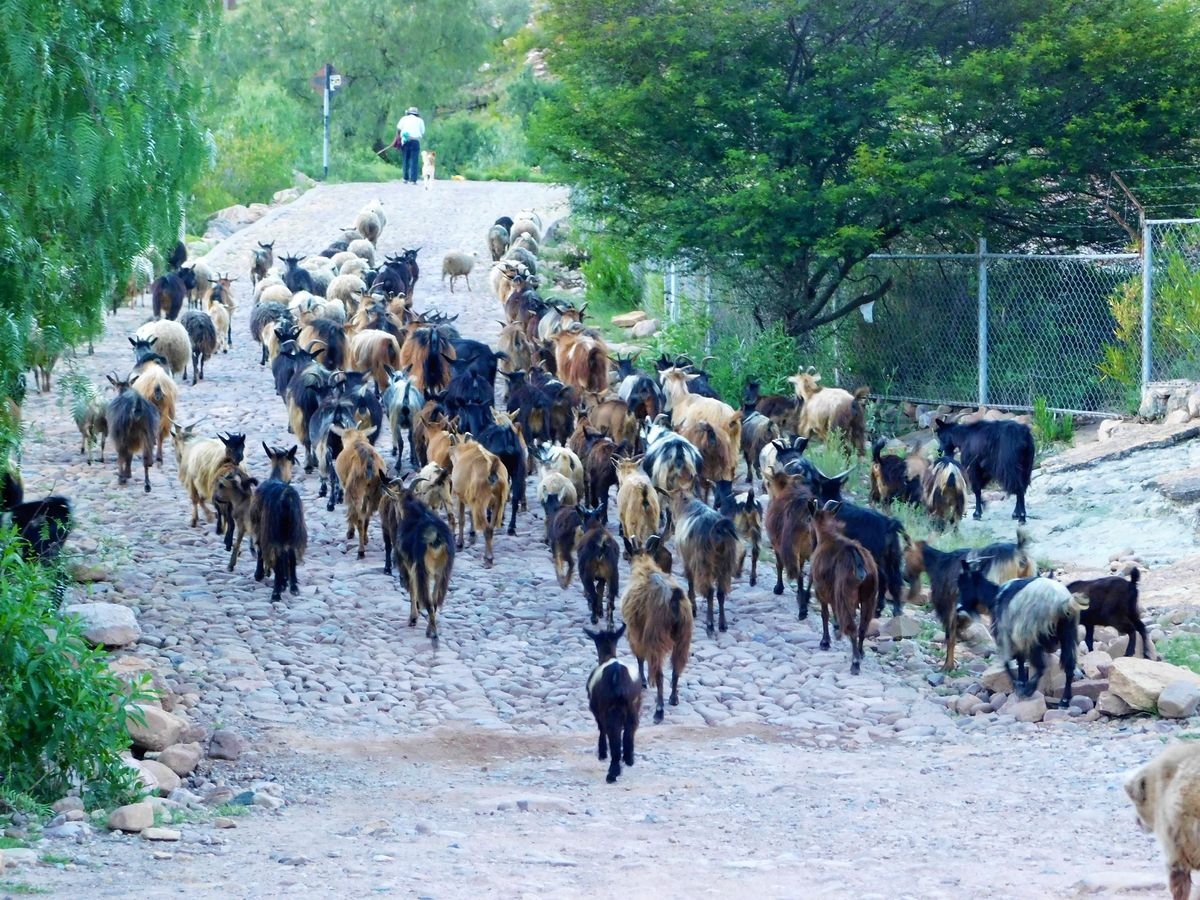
pixel 1113 601
pixel 564 461
pixel 781 409
pixel 516 347
pixel 90 412
pixel 1005 561
pixel 154 383
pixel 431 485
pixel 784 456
pixel 1164 792
pixel 688 408
pixel 843 576
pixel 554 484
pixel 428 356
pixel 233 496
pixel 746 514
pixel 330 336
pixel 896 478
pixel 203 335
pixel 402 402
pixel 638 508
pixel 376 353
pixel 789 529
pixel 216 308
pixel 824 410
pixel 641 394
pixel 718 460
pixel 201 461
pixel 361 471
pixel 659 620
pixel 565 525
pixel 581 360
pixel 614 419
pixel 615 699
pixel 295 276
pixel 531 405
pixel 503 439
pixel 422 546
pixel 1002 451
pixel 263 319
pixel 943 491
pixel 600 464
pixel 480 484
pixel 670 459
pixel 757 433
pixel 1029 617
pixel 168 291
pixel 261 260
pixel 277 523
pixel 710 549
pixel 133 424
pixel 42 525
pixel 598 557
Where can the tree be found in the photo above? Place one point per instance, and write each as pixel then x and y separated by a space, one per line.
pixel 100 103
pixel 790 140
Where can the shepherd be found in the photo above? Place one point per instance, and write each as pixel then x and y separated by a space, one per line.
pixel 409 131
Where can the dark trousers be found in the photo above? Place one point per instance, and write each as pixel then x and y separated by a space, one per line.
pixel 412 160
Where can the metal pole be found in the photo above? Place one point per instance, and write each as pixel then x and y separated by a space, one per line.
pixel 708 316
pixel 1147 299
pixel 325 155
pixel 674 294
pixel 981 278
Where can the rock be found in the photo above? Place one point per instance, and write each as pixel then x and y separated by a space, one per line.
pixel 629 319
pixel 645 328
pixel 106 624
pixel 224 822
pixel 1028 710
pixel 1096 664
pixel 1112 705
pixel 1177 417
pixel 1108 429
pixel 1179 699
pixel 160 730
pixel 134 817
pixel 267 801
pixel 238 214
pixel 161 834
pixel 226 744
pixel 1056 715
pixel 900 627
pixel 996 679
pixel 20 856
pixel 1091 688
pixel 301 180
pixel 967 704
pixel 1139 681
pixel 287 195
pixel 1083 704
pixel 66 804
pixel 88 573
pixel 164 777
pixel 181 759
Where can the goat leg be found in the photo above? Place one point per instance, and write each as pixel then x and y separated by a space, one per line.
pixel 147 465
pixel 631 722
pixel 642 671
pixel 614 743
pixel 778 590
pixel 1138 629
pixel 1088 636
pixel 658 705
pixel 709 625
pixel 1019 511
pixel 292 583
pixel 824 625
pixel 754 564
pixel 978 503
pixel 280 576
pixel 721 603
pixel 1179 878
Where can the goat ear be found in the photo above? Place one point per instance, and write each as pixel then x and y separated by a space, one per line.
pixel 1135 787
pixel 620 631
pixel 266 449
pixel 592 634
pixel 291 454
pixel 132 341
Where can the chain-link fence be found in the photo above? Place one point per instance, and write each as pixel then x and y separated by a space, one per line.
pixel 1173 288
pixel 1063 328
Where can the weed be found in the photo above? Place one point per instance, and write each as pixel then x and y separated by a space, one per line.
pixel 55 859
pixel 9 843
pixel 232 809
pixel 1181 649
pixel 21 887
pixel 1052 428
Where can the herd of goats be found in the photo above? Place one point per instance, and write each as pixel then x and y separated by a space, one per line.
pixel 350 356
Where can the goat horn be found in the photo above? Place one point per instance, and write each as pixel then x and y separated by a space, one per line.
pixel 706 359
pixel 842 475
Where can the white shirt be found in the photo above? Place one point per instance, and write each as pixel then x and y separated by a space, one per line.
pixel 411 127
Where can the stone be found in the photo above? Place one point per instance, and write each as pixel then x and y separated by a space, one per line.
pixel 1112 705
pixel 162 834
pixel 1108 429
pixel 88 573
pixel 1177 417
pixel 226 744
pixel 164 777
pixel 67 804
pixel 267 801
pixel 1096 664
pixel 1091 688
pixel 898 627
pixel 287 195
pixel 967 704
pixel 1139 681
pixel 629 319
pixel 134 817
pixel 1032 709
pixel 1179 699
pixel 224 822
pixel 1083 704
pixel 996 679
pixel 238 214
pixel 106 624
pixel 181 759
pixel 159 731
pixel 20 856
pixel 645 328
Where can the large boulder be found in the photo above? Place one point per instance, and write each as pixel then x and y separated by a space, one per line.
pixel 996 678
pixel 1096 664
pixel 1030 709
pixel 226 744
pixel 106 624
pixel 158 730
pixel 181 759
pixel 1139 682
pixel 166 779
pixel 629 319
pixel 1179 699
pixel 134 817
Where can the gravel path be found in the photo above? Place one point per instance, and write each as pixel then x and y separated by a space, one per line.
pixel 777 772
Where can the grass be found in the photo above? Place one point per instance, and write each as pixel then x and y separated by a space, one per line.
pixel 8 843
pixel 21 887
pixel 232 810
pixel 55 859
pixel 1181 649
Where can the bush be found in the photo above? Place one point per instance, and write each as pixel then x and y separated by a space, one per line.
pixel 609 275
pixel 459 140
pixel 1051 428
pixel 62 712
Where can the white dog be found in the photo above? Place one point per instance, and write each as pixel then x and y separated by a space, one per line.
pixel 428 167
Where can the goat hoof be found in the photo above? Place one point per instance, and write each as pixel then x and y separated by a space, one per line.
pixel 146 488
pixel 658 715
pixel 825 645
pixel 674 701
pixel 754 581
pixel 362 554
pixel 412 623
pixel 1064 703
pixel 487 563
pixel 778 589
pixel 323 491
pixel 854 668
pixel 611 778
pixel 977 515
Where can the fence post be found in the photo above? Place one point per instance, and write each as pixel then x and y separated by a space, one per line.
pixel 708 316
pixel 674 292
pixel 981 278
pixel 1147 300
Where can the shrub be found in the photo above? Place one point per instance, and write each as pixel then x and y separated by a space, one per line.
pixel 62 712
pixel 1051 428
pixel 459 140
pixel 609 275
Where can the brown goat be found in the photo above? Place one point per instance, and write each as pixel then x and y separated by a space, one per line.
pixel 687 408
pixel 599 565
pixel 789 528
pixel 659 621
pixel 581 359
pixel 718 462
pixel 517 347
pixel 831 409
pixel 895 477
pixel 614 419
pixel 710 550
pixel 844 578
pixel 600 464
pixel 944 491
pixel 428 414
pixel 362 473
pixel 638 509
pixel 234 491
pixel 565 526
pixel 155 383
pixel 441 436
pixel 480 484
pixel 374 352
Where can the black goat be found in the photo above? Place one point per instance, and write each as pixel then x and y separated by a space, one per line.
pixel 178 255
pixel 746 514
pixel 277 519
pixel 42 525
pixel 332 336
pixel 203 335
pixel 133 426
pixel 502 438
pixel 1113 601
pixel 296 277
pixel 1000 451
pixel 1029 617
pixel 422 546
pixel 478 358
pixel 599 555
pixel 615 699
pixel 532 406
pixel 167 293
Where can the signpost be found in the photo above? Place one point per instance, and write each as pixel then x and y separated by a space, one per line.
pixel 326 81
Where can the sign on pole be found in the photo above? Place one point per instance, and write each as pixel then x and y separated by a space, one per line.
pixel 326 81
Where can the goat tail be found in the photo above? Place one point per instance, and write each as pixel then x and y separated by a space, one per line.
pixel 1022 538
pixel 877 449
pixel 677 600
pixel 645 490
pixel 1134 576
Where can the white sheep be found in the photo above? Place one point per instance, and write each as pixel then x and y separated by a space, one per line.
pixel 171 341
pixel 368 225
pixel 364 248
pixel 458 264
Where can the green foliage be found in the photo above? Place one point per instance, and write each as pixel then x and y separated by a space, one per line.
pixel 792 140
pixel 609 275
pixel 1052 428
pixel 101 141
pixel 1181 649
pixel 21 888
pixel 62 713
pixel 459 140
